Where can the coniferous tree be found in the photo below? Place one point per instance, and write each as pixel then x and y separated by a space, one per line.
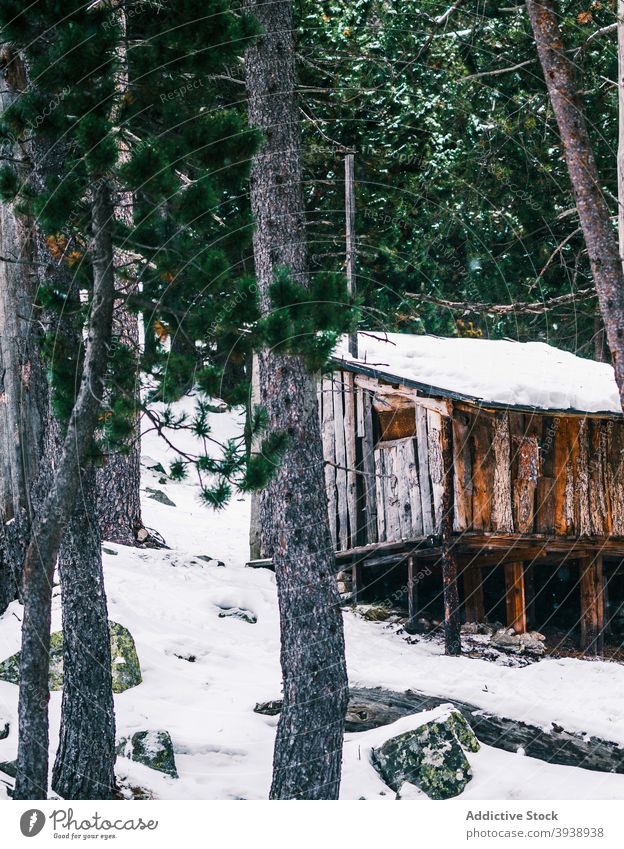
pixel 294 519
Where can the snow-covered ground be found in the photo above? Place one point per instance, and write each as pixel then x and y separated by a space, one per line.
pixel 203 674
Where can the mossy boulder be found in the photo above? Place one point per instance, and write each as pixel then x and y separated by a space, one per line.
pixel 124 659
pixel 9 768
pixel 151 748
pixel 430 757
pixel 125 662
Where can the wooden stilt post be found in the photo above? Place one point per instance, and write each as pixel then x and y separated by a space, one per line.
pixel 592 606
pixel 412 594
pixel 529 594
pixel 452 627
pixel 474 606
pixel 355 582
pixel 514 597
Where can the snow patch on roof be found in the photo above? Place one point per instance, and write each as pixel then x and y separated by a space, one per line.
pixel 530 374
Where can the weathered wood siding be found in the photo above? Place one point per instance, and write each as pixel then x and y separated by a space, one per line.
pixel 513 472
pixel 529 473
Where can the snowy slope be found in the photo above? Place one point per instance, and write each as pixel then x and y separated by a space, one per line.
pixel 526 373
pixel 202 673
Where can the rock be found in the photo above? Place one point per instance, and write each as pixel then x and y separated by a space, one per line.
pixel 4 731
pixel 124 659
pixel 9 768
pixel 507 640
pixel 422 625
pixel 430 757
pixel 110 551
pixel 213 560
pixel 375 612
pixel 160 496
pixel 142 534
pixel 151 748
pixel 238 613
pixel 269 708
pixel 470 628
pixel 126 669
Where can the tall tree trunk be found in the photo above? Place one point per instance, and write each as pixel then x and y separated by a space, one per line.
pixel 85 760
pixel 119 480
pixel 51 521
pixel 23 384
pixel 620 150
pixel 593 212
pixel 294 519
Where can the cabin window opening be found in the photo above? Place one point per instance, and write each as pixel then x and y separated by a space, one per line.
pixel 396 424
pixel 557 598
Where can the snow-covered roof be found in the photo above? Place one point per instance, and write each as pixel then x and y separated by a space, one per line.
pixel 499 372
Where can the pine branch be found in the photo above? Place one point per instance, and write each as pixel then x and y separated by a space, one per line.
pixel 536 308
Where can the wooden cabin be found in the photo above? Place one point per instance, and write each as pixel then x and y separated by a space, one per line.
pixel 485 473
pixel 506 456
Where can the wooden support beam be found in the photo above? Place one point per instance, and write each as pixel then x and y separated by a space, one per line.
pixel 529 594
pixel 412 593
pixel 474 606
pixel 355 581
pixel 514 597
pixel 592 606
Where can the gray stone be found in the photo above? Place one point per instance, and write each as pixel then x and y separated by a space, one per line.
pixel 126 669
pixel 151 748
pixel 430 757
pixel 507 640
pixel 4 730
pixel 160 496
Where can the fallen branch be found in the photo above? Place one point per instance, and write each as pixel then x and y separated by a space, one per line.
pixel 536 308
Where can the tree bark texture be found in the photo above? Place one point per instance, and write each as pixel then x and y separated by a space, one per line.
pixel 51 521
pixel 293 513
pixel 593 212
pixel 452 626
pixel 119 480
pixel 23 384
pixel 85 759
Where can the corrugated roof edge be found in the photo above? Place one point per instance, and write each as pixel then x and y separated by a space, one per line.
pixel 436 391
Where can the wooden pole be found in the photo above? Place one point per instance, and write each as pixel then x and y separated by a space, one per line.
pixel 350 240
pixel 592 607
pixel 452 632
pixel 514 597
pixel 529 594
pixel 474 606
pixel 412 594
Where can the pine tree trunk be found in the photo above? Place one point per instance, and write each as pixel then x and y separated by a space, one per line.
pixel 52 519
pixel 600 237
pixel 23 384
pixel 85 760
pixel 294 519
pixel 119 480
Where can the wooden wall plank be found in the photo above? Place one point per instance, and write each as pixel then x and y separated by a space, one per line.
pixel 502 517
pixel 474 605
pixel 368 465
pixel 380 472
pixel 341 462
pixel 582 516
pixel 329 451
pixel 482 472
pixel 350 455
pixel 423 470
pixel 615 477
pixel 436 466
pixel 413 491
pixel 462 477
